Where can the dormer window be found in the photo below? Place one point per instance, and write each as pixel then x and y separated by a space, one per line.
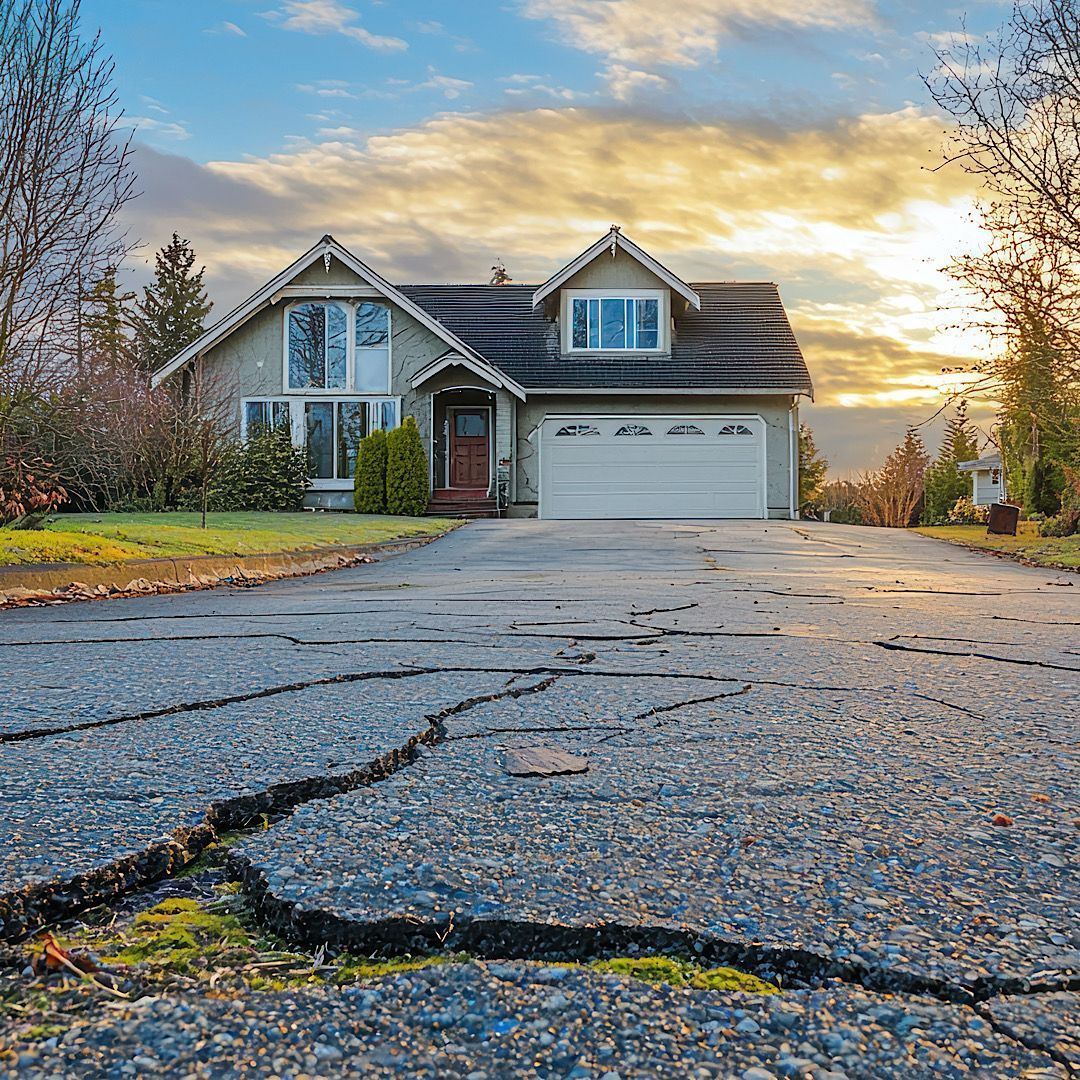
pixel 608 322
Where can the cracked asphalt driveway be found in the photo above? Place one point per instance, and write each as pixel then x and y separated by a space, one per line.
pixel 843 759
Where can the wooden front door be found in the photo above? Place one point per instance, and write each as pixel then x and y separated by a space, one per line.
pixel 469 463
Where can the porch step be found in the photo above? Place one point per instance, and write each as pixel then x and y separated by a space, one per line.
pixel 466 508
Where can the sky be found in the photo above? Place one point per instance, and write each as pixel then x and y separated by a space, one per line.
pixel 784 140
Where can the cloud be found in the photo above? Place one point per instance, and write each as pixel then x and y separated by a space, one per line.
pixel 226 28
pixel 635 33
pixel 624 83
pixel 843 215
pixel 329 17
pixel 450 88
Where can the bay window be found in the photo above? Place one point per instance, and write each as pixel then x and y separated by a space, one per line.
pixel 603 323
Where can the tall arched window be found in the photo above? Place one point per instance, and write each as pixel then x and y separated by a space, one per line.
pixel 317 346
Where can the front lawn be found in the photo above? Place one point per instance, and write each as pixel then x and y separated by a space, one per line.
pixel 1026 544
pixel 100 539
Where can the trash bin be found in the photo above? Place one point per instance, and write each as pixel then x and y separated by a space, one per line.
pixel 1003 519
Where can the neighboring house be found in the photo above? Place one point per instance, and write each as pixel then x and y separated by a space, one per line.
pixel 613 390
pixel 985 479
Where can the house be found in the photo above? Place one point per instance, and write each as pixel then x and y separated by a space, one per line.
pixel 986 487
pixel 613 390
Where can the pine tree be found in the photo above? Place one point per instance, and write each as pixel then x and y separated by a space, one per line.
pixel 105 321
pixel 812 467
pixel 173 309
pixel 944 481
pixel 406 471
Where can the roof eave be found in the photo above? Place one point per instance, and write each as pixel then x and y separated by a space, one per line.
pixel 631 249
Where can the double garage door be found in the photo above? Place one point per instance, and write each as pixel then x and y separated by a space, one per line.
pixel 652 467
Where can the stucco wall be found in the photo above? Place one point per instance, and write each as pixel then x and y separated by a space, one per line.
pixel 622 272
pixel 773 410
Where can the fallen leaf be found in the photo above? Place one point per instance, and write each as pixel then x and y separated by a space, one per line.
pixel 1001 819
pixel 1040 798
pixel 748 840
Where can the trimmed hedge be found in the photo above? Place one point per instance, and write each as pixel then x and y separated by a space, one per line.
pixel 406 471
pixel 369 494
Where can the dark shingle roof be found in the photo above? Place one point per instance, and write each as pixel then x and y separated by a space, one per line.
pixel 740 339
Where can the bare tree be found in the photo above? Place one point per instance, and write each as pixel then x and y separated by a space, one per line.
pixel 890 496
pixel 65 173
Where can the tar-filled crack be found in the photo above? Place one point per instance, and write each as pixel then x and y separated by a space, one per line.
pixel 895 646
pixel 24 910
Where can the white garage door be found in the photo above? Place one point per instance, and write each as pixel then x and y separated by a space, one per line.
pixel 652 467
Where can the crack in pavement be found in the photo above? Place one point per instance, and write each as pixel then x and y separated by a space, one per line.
pixel 33 906
pixel 897 647
pixel 509 939
pixel 1007 1031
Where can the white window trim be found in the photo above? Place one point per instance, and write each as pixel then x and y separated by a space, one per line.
pixel 663 318
pixel 350 349
pixel 298 426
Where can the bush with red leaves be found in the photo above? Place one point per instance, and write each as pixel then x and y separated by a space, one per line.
pixel 29 488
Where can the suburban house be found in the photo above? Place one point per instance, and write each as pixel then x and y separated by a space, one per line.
pixel 613 390
pixel 986 487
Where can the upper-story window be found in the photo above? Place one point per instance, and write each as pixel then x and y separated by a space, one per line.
pixel 372 341
pixel 614 322
pixel 322 353
pixel 317 347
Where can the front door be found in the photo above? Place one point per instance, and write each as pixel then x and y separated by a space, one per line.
pixel 469 463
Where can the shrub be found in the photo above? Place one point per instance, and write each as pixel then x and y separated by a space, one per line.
pixel 406 471
pixel 965 512
pixel 1063 524
pixel 264 473
pixel 369 494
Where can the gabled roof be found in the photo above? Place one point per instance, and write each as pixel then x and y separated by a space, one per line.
pixel 615 241
pixel 740 341
pixel 991 461
pixel 327 247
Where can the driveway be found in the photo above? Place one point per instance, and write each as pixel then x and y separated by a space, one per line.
pixel 843 759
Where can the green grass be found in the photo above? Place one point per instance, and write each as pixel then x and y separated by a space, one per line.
pixel 1026 544
pixel 104 539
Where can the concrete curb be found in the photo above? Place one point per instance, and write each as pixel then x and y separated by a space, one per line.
pixel 197 570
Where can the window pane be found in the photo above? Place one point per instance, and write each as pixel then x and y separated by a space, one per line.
pixel 373 371
pixel 470 425
pixel 594 324
pixel 319 417
pixel 581 325
pixel 336 336
pixel 307 346
pixel 612 324
pixel 255 417
pixel 372 326
pixel 648 324
pixel 387 414
pixel 280 413
pixel 351 428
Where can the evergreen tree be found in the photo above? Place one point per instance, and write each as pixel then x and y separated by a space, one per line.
pixel 105 321
pixel 406 471
pixel 369 493
pixel 812 468
pixel 173 309
pixel 944 481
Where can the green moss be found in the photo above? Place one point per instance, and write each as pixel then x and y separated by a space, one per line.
pixel 361 970
pixel 671 971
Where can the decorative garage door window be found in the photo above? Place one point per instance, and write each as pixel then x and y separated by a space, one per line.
pixel 735 429
pixel 577 429
pixel 633 429
pixel 685 429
